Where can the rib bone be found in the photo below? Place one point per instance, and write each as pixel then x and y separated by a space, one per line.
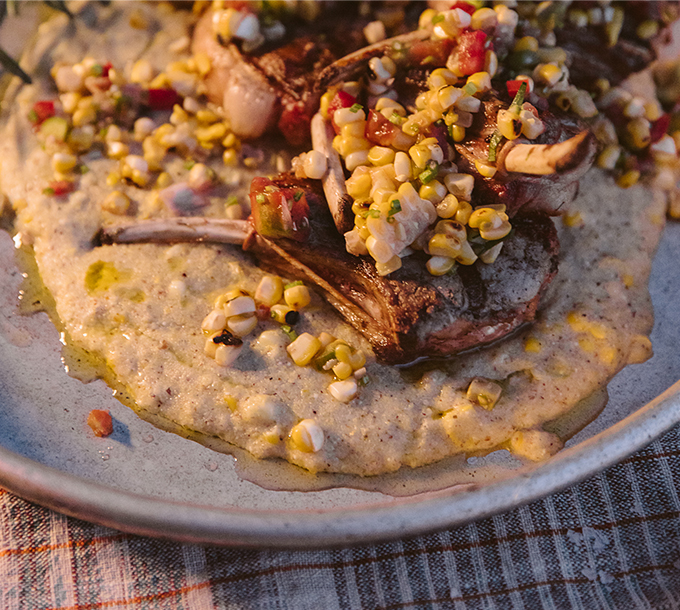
pixel 545 159
pixel 170 230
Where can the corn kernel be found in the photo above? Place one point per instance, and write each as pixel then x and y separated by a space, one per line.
pixel 481 80
pixel 628 179
pixel 489 256
pixel 269 291
pixel 225 355
pixel 440 265
pixel 390 266
pixel 448 206
pixel 485 169
pixel 532 345
pixel 458 133
pixel 116 203
pixel 342 370
pixel 63 162
pixel 381 155
pixel 279 312
pixel 434 192
pixel 203 64
pixel 484 392
pixel 142 72
pixel 243 325
pixel 380 250
pixel 307 436
pixel 484 19
pixel 357 360
pixel 344 390
pixel 526 43
pixel 214 321
pixel 230 157
pixel 303 349
pixel 463 212
pixel 548 73
pixel 297 297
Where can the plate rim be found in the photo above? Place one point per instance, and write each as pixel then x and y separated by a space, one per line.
pixel 372 522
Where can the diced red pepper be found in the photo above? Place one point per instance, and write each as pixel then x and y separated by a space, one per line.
pixel 162 99
pixel 431 52
pixel 294 124
pixel 279 212
pixel 381 131
pixel 470 54
pixel 513 86
pixel 660 127
pixel 61 187
pixel 105 69
pixel 465 6
pixel 41 111
pixel 341 99
pixel 100 422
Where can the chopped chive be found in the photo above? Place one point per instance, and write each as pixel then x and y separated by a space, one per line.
pixel 493 145
pixel 292 335
pixel 429 174
pixel 231 200
pixel 48 191
pixel 396 118
pixel 33 116
pixel 189 164
pixel 260 198
pixel 518 100
pixel 470 88
pixel 355 107
pixel 373 213
pixel 298 195
pixel 437 19
pixel 84 169
pixel 395 207
pixel 365 380
pixel 97 70
pixel 293 284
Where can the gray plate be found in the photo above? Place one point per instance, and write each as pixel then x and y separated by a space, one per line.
pixel 147 481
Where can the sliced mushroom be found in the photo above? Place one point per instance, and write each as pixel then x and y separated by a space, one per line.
pixel 545 159
pixel 339 201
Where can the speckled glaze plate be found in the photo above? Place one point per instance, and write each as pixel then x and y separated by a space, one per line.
pixel 147 481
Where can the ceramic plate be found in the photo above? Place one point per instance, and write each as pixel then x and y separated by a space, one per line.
pixel 148 481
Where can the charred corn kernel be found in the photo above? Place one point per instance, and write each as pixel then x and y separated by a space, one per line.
pixel 215 320
pixel 297 297
pixel 402 167
pixel 226 355
pixel 279 312
pixel 485 169
pixel 357 360
pixel 494 230
pixel 481 80
pixel 609 156
pixel 210 347
pixel 344 390
pixel 573 219
pixel 532 345
pixel 314 164
pixel 447 207
pixel 117 150
pixel 443 245
pixel 389 267
pixel 113 179
pixel 239 306
pixel 509 124
pixel 270 290
pixel 116 203
pixel 342 370
pixel 548 74
pixel 486 214
pixel 230 157
pixel 379 249
pixel 63 162
pixel 484 19
pixel 433 191
pixel 142 72
pixel 381 155
pixel 426 151
pixel 526 43
pixel 489 256
pixel 440 265
pixel 241 326
pixel 484 392
pixel 307 436
pixel 303 349
pixel 628 179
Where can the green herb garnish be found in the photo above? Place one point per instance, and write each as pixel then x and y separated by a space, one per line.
pixel 493 145
pixel 373 213
pixel 437 19
pixel 298 195
pixel 292 335
pixel 293 284
pixel 429 174
pixel 355 107
pixel 260 198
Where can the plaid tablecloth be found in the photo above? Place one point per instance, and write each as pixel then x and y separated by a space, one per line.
pixel 611 542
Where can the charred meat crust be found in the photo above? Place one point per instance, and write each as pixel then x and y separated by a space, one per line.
pixel 410 313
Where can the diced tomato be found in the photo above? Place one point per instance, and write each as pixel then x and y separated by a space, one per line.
pixel 162 99
pixel 341 99
pixel 294 124
pixel 431 52
pixel 660 127
pixel 470 53
pixel 105 69
pixel 279 212
pixel 465 6
pixel 61 187
pixel 41 111
pixel 100 422
pixel 381 131
pixel 513 86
